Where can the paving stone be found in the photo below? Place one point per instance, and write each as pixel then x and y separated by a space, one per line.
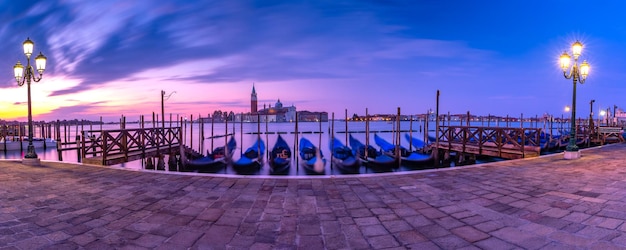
pixel 555 212
pixel 489 226
pixel 520 238
pixel 611 223
pixel 570 239
pixel 363 221
pixel 336 241
pixel 36 242
pixel 576 217
pixel 450 242
pixel 597 233
pixel 185 238
pixel 470 234
pixel 312 242
pixel 433 231
pixel 448 222
pixel 373 230
pixel 383 241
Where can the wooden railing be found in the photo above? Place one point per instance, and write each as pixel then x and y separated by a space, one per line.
pixel 121 145
pixel 492 141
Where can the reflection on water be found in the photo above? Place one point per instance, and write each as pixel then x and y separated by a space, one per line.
pixel 318 133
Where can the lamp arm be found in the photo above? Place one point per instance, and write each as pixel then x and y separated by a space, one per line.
pixel 168 96
pixel 35 77
pixel 28 73
pixel 21 81
pixel 568 74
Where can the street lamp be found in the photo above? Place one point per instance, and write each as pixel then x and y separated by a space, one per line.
pixel 591 111
pixel 591 115
pixel 24 76
pixel 577 73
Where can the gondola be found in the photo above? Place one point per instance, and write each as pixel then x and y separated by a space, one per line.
pixel 343 158
pixel 312 158
pixel 407 158
pixel 375 160
pixel 549 142
pixel 213 161
pixel 251 160
pixel 280 157
pixel 416 143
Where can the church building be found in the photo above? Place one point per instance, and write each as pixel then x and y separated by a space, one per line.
pixel 277 113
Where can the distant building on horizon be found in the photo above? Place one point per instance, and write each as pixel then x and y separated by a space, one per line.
pixel 278 113
pixel 253 101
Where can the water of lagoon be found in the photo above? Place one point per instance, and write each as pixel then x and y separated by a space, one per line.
pixel 316 132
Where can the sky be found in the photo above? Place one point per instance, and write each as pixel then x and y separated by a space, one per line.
pixel 113 57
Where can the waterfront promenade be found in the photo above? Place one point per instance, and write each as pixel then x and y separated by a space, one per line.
pixel 534 203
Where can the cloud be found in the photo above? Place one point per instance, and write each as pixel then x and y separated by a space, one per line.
pixel 111 40
pixel 122 53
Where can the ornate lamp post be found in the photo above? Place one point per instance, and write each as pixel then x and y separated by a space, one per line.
pixel 577 73
pixel 25 76
pixel 591 113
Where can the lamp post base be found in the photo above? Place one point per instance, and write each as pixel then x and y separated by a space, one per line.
pixel 571 155
pixel 31 161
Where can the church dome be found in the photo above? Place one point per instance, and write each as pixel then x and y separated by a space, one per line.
pixel 279 105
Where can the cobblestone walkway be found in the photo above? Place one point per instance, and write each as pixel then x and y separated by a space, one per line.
pixel 529 204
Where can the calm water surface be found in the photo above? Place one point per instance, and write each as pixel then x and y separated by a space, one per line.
pixel 245 134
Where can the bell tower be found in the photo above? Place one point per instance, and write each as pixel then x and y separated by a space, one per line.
pixel 253 101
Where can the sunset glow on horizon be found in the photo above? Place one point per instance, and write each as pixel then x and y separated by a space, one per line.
pixel 111 58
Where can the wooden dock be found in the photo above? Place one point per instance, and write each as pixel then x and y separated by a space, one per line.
pixel 503 142
pixel 110 147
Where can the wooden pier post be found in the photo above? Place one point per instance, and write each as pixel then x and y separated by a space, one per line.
pixel 411 133
pixel 346 116
pixel 191 132
pixel 142 136
pixel 397 137
pixel 319 144
pixel 57 128
pixel 258 134
pixel 436 149
pixel 295 145
pixel 330 137
pixel 367 132
pixel 213 134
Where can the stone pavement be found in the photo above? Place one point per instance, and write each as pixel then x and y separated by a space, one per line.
pixel 536 203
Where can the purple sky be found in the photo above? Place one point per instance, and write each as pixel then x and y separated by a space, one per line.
pixel 107 58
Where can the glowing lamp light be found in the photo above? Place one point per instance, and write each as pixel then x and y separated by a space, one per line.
pixel 584 69
pixel 28 47
pixel 602 113
pixel 565 60
pixel 577 48
pixel 567 109
pixel 40 61
pixel 18 70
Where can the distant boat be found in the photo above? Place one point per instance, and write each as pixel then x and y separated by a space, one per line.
pixel 214 161
pixel 252 159
pixel 375 160
pixel 280 157
pixel 312 159
pixel 343 157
